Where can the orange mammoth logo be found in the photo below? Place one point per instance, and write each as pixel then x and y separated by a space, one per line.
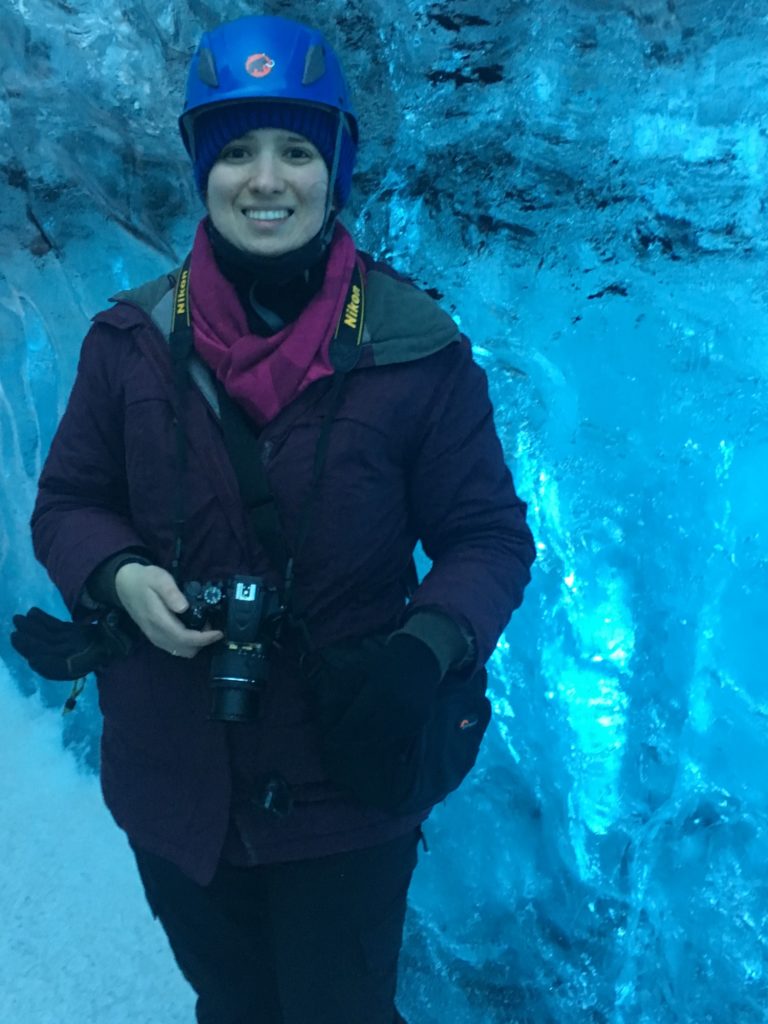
pixel 259 65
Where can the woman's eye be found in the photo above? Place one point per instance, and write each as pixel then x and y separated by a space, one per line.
pixel 234 153
pixel 299 153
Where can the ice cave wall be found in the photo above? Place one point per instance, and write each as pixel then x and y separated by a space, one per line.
pixel 582 182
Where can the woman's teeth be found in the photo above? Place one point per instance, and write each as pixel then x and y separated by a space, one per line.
pixel 267 214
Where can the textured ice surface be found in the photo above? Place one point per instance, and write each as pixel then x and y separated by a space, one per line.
pixel 78 944
pixel 582 183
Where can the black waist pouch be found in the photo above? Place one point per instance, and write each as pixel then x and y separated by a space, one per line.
pixel 405 773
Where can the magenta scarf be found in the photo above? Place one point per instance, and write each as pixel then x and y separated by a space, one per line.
pixel 263 375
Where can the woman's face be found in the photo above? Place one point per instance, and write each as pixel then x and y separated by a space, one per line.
pixel 266 192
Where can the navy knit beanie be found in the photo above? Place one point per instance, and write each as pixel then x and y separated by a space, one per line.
pixel 214 128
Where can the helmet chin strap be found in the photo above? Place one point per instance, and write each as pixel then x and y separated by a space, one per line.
pixel 329 217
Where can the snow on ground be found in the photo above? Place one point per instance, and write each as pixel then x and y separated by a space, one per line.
pixel 78 944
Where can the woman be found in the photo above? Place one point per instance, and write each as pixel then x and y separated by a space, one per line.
pixel 254 444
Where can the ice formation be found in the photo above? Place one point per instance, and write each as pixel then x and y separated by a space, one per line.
pixel 581 182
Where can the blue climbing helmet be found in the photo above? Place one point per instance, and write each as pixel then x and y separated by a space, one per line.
pixel 263 71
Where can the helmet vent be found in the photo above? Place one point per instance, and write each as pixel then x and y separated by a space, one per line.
pixel 206 68
pixel 314 65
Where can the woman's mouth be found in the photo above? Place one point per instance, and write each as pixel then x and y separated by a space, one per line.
pixel 267 215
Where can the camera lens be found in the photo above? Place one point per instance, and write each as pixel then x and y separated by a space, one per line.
pixel 237 676
pixel 232 705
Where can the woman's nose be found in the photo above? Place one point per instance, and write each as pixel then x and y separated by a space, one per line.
pixel 265 174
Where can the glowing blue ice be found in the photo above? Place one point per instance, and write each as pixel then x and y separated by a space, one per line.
pixel 592 215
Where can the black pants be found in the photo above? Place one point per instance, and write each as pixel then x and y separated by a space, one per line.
pixel 308 942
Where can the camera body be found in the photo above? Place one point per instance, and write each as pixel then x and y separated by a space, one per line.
pixel 248 613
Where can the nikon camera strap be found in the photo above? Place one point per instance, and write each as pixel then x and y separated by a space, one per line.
pixel 241 436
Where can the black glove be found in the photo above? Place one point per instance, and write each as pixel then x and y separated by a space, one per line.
pixel 70 650
pixel 390 700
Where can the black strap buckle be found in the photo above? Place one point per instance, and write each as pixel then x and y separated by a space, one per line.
pixel 272 794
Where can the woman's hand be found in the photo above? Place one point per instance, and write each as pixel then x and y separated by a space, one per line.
pixel 150 596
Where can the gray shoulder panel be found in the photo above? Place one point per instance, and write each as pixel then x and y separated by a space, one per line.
pixel 147 296
pixel 404 323
pixel 156 299
pixel 162 312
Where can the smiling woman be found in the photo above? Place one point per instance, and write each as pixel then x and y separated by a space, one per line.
pixel 253 446
pixel 267 192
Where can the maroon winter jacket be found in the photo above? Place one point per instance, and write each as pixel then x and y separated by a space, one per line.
pixel 413 455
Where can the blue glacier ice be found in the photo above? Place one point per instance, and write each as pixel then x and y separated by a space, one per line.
pixel 582 183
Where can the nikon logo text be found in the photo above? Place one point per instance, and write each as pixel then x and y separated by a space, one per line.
pixel 181 294
pixel 352 311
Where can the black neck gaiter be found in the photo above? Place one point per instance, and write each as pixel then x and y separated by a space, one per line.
pixel 283 285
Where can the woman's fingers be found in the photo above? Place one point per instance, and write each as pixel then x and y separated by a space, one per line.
pixel 188 649
pixel 135 583
pixel 150 596
pixel 165 587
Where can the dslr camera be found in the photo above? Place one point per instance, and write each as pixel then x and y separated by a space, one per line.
pixel 249 613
